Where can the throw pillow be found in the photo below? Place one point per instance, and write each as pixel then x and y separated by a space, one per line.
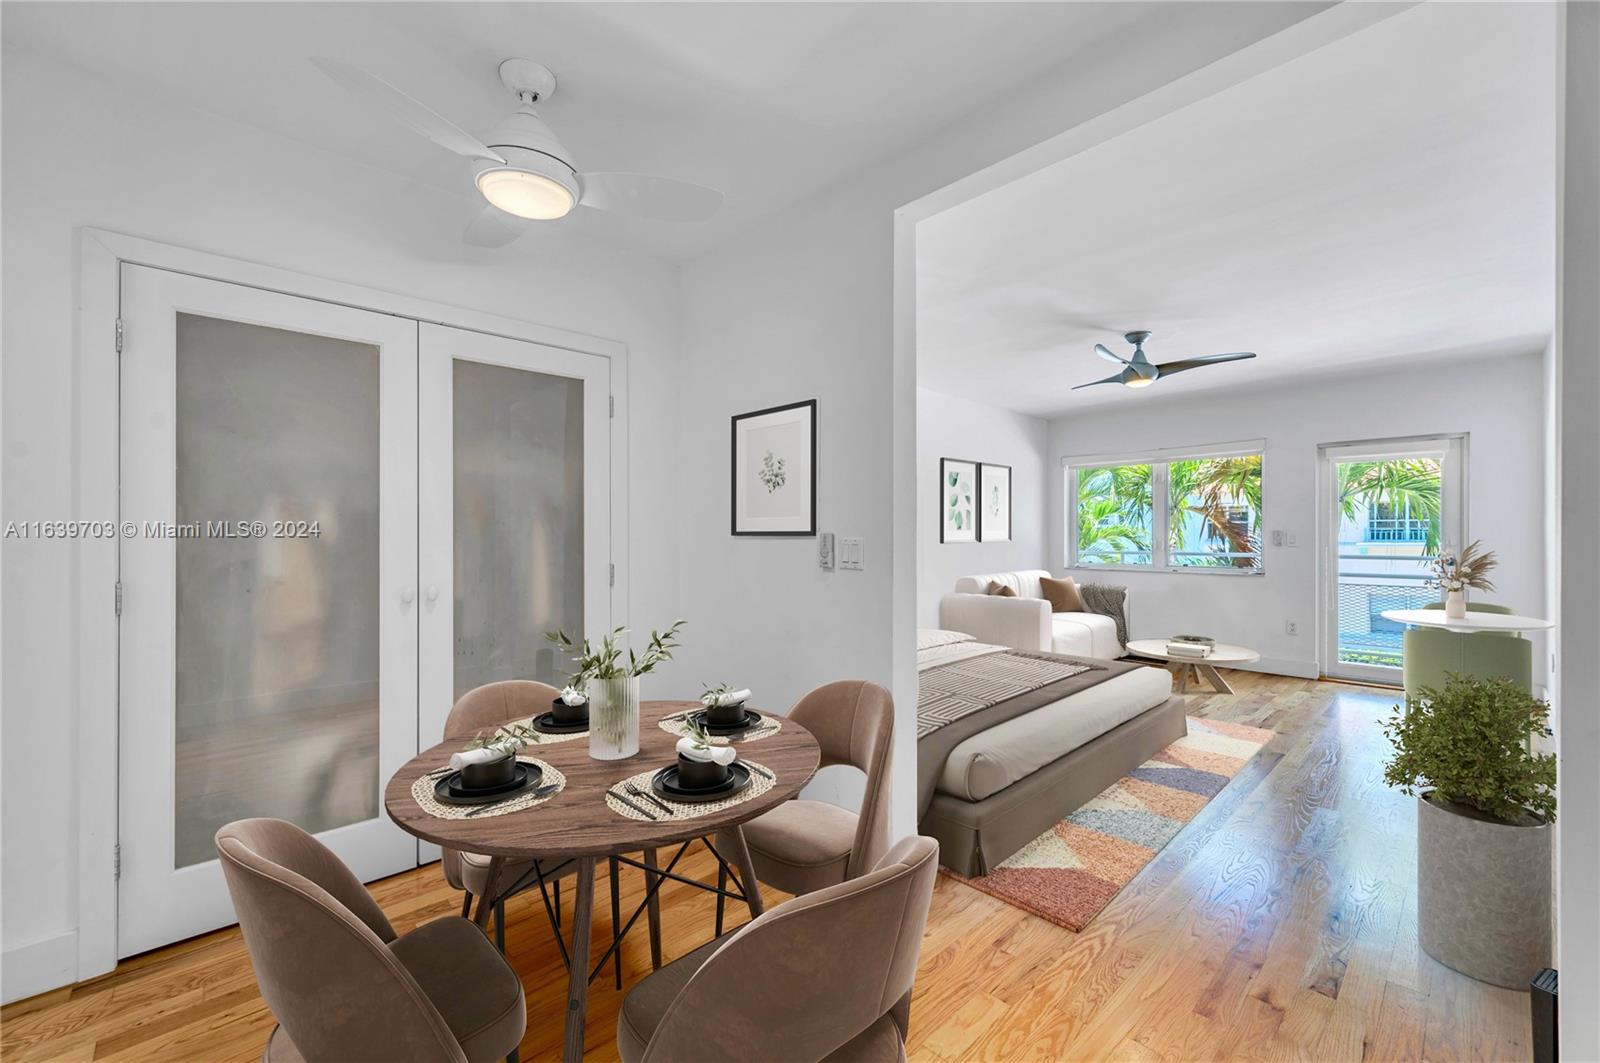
pixel 1000 590
pixel 1062 595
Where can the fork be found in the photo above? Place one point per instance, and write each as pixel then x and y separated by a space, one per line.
pixel 633 789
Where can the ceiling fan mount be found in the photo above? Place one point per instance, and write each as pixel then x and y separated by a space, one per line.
pixel 528 80
pixel 1140 372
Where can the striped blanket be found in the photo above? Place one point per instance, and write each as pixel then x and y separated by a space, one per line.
pixel 951 692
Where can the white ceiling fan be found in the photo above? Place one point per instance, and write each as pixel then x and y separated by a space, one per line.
pixel 521 167
pixel 1140 372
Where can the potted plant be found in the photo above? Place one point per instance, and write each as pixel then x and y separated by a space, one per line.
pixel 1485 805
pixel 612 683
pixel 1454 573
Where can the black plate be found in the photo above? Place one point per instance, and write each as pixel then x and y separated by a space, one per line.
pixel 449 792
pixel 545 723
pixel 662 782
pixel 752 718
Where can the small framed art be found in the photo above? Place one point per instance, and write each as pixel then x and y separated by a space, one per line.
pixel 958 507
pixel 775 470
pixel 994 503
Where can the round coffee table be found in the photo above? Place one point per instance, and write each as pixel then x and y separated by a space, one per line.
pixel 1182 667
pixel 577 824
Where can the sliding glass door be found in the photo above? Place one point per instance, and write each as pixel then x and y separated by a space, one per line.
pixel 1389 508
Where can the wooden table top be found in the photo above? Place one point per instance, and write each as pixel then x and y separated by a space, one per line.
pixel 577 821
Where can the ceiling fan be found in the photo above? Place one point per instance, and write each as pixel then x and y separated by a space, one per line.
pixel 521 167
pixel 1140 372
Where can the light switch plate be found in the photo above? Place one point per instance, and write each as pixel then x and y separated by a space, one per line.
pixel 851 554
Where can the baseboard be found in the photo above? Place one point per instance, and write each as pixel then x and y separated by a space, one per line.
pixel 47 963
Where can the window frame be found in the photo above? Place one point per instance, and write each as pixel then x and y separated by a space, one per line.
pixel 1160 505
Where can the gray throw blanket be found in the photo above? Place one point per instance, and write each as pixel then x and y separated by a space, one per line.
pixel 1107 600
pixel 934 746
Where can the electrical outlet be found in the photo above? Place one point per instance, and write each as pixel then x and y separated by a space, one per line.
pixel 1277 538
pixel 1291 628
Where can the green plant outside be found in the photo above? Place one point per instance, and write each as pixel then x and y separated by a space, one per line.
pixel 1469 742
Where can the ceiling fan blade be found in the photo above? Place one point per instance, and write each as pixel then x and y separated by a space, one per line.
pixel 1109 355
pixel 1168 368
pixel 411 113
pixel 493 227
pixel 1115 378
pixel 643 196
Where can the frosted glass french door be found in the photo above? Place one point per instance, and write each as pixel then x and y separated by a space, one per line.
pixel 268 647
pixel 515 511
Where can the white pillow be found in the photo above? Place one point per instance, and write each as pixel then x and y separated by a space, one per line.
pixel 929 637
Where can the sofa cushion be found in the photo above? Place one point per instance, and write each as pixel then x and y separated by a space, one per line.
pixel 1084 635
pixel 1025 583
pixel 1000 590
pixel 1062 594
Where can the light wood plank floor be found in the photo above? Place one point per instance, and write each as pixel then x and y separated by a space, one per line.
pixel 1278 925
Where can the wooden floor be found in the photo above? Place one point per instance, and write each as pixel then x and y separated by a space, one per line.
pixel 1278 925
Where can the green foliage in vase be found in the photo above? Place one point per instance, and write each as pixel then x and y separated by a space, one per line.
pixel 1469 743
pixel 608 660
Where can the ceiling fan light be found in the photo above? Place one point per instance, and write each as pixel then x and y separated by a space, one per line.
pixel 526 194
pixel 1137 381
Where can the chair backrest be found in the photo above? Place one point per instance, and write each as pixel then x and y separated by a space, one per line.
pixel 812 973
pixel 487 707
pixel 1025 583
pixel 853 721
pixel 318 943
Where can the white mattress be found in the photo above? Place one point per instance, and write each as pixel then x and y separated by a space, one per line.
pixel 990 761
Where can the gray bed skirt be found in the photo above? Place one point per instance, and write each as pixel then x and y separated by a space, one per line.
pixel 974 836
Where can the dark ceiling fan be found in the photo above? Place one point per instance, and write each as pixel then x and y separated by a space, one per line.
pixel 1139 371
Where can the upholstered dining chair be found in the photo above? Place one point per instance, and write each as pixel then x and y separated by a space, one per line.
pixel 1430 655
pixel 342 984
pixel 482 709
pixel 800 845
pixel 826 976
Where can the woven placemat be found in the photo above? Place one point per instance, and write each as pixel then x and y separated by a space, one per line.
pixel 759 784
pixel 770 725
pixel 542 739
pixel 422 793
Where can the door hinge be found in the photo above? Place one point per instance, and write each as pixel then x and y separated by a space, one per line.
pixel 613 575
pixel 612 397
pixel 116 860
pixel 119 597
pixel 119 335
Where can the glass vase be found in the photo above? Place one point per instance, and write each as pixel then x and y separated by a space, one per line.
pixel 613 717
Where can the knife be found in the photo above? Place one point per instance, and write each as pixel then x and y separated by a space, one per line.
pixel 543 791
pixel 645 812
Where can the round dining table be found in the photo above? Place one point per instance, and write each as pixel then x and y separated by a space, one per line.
pixel 578 823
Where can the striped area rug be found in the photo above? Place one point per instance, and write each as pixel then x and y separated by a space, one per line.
pixel 1074 869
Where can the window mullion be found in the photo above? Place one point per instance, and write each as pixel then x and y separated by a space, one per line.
pixel 1158 511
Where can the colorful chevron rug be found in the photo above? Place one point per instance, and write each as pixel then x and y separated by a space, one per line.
pixel 1074 869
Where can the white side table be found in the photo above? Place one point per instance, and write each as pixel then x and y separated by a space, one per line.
pixel 1183 667
pixel 1470 622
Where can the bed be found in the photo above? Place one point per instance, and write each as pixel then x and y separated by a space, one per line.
pixel 1009 742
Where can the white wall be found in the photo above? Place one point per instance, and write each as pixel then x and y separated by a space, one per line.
pixel 1578 389
pixel 1499 403
pixel 801 306
pixel 951 427
pixel 192 179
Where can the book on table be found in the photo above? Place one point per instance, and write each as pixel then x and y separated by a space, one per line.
pixel 1193 650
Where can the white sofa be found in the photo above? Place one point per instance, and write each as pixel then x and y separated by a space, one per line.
pixel 1025 622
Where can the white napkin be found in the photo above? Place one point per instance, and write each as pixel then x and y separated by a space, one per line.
pixel 723 755
pixel 571 696
pixel 481 755
pixel 732 697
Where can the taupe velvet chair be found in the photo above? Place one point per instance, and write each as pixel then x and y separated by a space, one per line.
pixel 343 986
pixel 826 976
pixel 482 709
pixel 801 845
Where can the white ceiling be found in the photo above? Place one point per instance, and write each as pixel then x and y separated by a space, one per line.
pixel 1390 195
pixel 769 102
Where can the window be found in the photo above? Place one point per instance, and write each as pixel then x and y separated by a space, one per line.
pixel 1195 510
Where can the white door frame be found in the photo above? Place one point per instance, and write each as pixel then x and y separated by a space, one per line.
pixel 1452 526
pixel 93 689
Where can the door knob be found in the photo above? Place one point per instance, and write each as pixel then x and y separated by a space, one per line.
pixel 432 593
pixel 407 596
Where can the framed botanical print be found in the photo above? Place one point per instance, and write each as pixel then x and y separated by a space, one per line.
pixel 958 506
pixel 775 470
pixel 994 503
